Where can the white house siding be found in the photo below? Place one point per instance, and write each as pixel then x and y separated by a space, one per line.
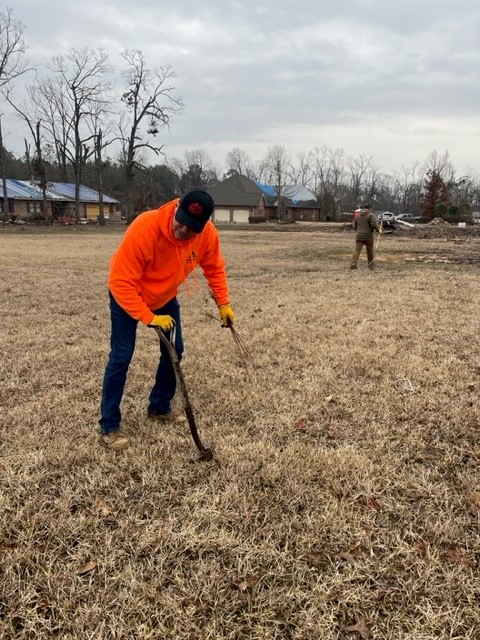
pixel 222 215
pixel 240 216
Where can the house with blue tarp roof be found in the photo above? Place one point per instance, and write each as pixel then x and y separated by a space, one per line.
pixel 241 200
pixel 67 189
pixel 26 201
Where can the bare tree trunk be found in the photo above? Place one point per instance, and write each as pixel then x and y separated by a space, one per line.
pixel 101 216
pixel 129 174
pixel 6 213
pixel 77 200
pixel 148 98
pixel 76 173
pixel 46 211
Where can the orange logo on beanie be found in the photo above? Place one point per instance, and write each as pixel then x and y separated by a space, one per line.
pixel 196 209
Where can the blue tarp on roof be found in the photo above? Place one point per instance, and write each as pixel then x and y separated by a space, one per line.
pixel 36 189
pixel 24 190
pixel 20 190
pixel 267 189
pixel 295 193
pixel 67 189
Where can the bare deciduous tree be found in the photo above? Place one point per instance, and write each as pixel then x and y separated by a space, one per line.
pixel 12 66
pixel 466 189
pixel 438 163
pixel 83 74
pixel 150 104
pixel 328 166
pixel 276 166
pixel 358 168
pixel 38 173
pixel 301 172
pixel 12 49
pixel 71 105
pixel 370 183
pixel 409 188
pixel 46 103
pixel 196 169
pixel 237 161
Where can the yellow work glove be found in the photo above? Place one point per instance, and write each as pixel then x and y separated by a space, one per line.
pixel 226 314
pixel 164 322
pixel 380 231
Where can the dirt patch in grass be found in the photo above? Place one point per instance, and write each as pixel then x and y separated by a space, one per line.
pixel 343 501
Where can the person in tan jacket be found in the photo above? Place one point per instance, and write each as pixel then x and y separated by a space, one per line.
pixel 158 252
pixel 365 224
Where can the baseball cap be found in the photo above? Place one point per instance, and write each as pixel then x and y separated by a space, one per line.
pixel 194 209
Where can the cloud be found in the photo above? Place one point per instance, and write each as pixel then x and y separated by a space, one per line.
pixel 355 74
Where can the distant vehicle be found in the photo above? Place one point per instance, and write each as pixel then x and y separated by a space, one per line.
pixel 407 217
pixel 386 216
pixel 387 220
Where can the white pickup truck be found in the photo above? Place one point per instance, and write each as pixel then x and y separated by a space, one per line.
pixel 407 217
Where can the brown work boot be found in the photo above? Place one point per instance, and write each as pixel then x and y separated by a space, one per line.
pixel 115 441
pixel 166 418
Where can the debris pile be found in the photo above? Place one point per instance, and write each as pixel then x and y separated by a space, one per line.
pixel 438 221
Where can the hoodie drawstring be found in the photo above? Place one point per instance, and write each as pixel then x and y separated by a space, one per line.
pixel 185 276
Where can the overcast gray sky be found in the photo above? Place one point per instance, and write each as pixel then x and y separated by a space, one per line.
pixel 391 80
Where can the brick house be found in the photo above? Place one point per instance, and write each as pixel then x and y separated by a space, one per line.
pixel 25 201
pixel 240 200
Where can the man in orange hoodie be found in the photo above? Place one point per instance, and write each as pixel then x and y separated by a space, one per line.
pixel 159 250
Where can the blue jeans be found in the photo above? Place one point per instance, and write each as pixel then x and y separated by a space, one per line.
pixel 122 346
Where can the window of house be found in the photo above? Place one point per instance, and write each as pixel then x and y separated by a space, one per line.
pixel 34 207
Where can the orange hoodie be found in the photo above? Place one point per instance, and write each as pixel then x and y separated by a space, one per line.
pixel 150 264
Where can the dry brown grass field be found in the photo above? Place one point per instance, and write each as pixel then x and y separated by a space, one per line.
pixel 343 501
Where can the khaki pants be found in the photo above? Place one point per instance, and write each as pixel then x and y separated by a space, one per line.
pixel 358 249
